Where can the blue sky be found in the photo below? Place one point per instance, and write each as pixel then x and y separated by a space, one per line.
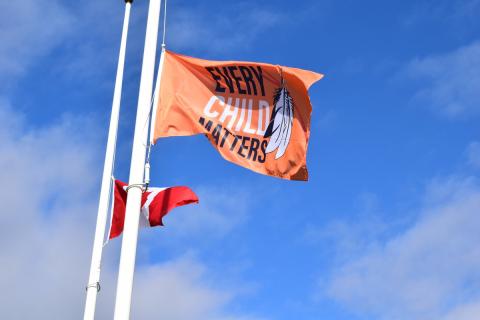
pixel 387 227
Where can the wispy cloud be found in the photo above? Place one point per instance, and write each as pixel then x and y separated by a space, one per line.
pixel 90 33
pixel 178 290
pixel 220 30
pixel 473 154
pixel 449 83
pixel 44 218
pixel 366 229
pixel 30 29
pixel 462 13
pixel 47 221
pixel 429 270
pixel 219 212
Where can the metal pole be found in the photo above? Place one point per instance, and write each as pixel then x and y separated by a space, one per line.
pixel 93 280
pixel 132 214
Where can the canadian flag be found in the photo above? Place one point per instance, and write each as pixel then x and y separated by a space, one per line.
pixel 156 203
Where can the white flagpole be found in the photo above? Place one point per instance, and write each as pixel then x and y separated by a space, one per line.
pixel 137 168
pixel 93 280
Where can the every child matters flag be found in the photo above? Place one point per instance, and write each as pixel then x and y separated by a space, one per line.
pixel 256 115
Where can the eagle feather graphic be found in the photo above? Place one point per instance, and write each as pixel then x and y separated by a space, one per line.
pixel 280 127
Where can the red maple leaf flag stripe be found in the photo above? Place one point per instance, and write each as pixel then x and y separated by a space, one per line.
pixel 156 203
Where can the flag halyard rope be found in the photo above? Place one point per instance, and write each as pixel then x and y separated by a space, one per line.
pixel 148 121
pixel 164 24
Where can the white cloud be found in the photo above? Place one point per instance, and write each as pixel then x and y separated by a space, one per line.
pixel 347 238
pixel 182 292
pixel 221 29
pixel 460 13
pixel 473 153
pixel 30 29
pixel 90 34
pixel 467 311
pixel 218 213
pixel 450 83
pixel 50 177
pixel 177 290
pixel 429 271
pixel 51 174
pixel 45 218
pixel 91 50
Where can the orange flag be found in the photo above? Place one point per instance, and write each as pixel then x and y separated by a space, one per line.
pixel 256 115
